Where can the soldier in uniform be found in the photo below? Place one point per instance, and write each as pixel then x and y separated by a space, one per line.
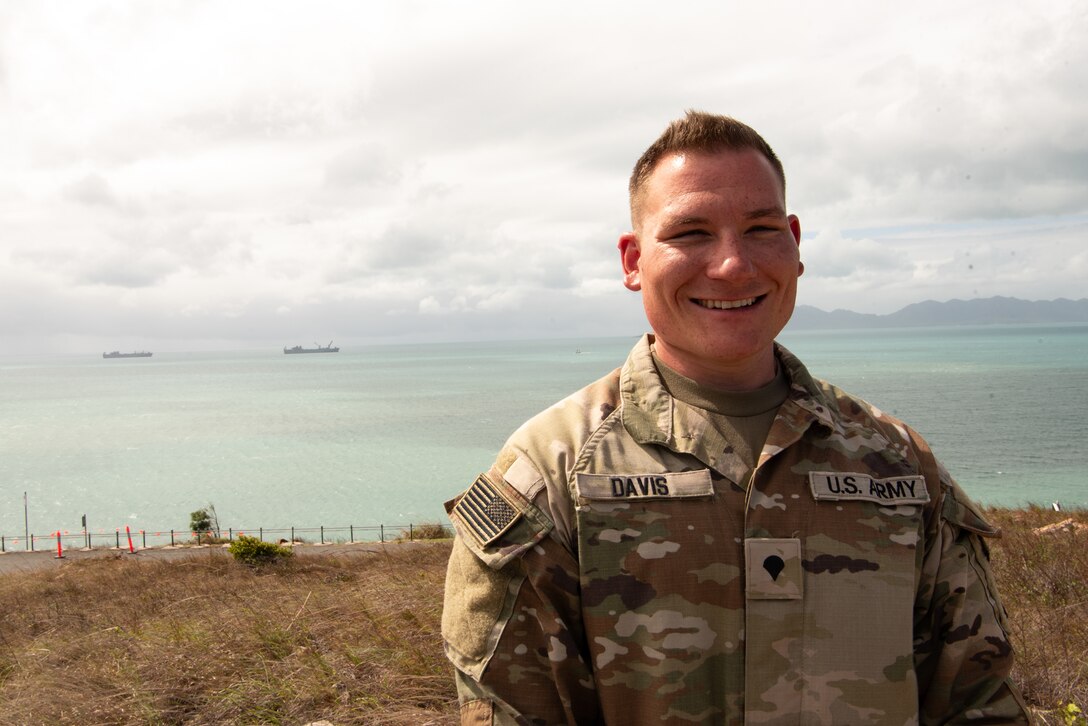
pixel 709 534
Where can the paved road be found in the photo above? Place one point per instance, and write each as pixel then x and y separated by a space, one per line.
pixel 15 561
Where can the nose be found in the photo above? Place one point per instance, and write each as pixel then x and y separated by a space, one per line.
pixel 729 259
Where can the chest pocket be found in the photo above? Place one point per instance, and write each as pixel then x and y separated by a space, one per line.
pixel 842 652
pixel 649 530
pixel 661 561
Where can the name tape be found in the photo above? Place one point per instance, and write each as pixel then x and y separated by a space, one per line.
pixel 841 485
pixel 665 485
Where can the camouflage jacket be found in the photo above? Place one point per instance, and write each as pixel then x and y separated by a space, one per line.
pixel 614 566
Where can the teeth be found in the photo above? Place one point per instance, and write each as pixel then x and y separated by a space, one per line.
pixel 726 304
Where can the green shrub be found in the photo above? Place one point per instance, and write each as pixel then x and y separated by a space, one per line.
pixel 1073 716
pixel 428 530
pixel 252 551
pixel 204 523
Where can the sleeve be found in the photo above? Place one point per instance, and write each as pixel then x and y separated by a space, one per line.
pixel 962 652
pixel 511 620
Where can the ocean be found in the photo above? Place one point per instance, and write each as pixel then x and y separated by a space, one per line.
pixel 383 435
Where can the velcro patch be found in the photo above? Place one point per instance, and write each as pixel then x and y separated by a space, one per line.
pixel 485 511
pixel 666 485
pixel 842 485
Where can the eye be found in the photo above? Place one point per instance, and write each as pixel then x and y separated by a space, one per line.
pixel 763 230
pixel 688 235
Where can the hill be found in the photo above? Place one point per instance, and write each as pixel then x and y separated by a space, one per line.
pixel 980 311
pixel 354 639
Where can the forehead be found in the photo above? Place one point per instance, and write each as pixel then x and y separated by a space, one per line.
pixel 738 177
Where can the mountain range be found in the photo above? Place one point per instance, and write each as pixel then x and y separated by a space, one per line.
pixel 979 311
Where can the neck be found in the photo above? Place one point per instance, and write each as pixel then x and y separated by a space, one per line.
pixel 743 375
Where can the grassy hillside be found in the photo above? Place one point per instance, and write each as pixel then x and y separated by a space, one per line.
pixel 208 641
pixel 1044 586
pixel 355 640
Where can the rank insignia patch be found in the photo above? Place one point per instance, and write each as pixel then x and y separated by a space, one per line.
pixel 485 511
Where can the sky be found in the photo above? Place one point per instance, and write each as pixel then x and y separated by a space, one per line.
pixel 186 175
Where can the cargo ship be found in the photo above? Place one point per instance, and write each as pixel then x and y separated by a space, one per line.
pixel 118 354
pixel 319 349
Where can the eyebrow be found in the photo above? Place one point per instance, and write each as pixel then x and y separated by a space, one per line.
pixel 761 213
pixel 680 221
pixel 775 211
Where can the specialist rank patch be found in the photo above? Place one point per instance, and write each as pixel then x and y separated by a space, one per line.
pixel 843 485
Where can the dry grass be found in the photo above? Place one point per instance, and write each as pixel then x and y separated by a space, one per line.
pixel 207 641
pixel 1044 586
pixel 355 640
pixel 427 530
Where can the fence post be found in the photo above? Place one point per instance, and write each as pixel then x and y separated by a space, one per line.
pixel 117 538
pixel 171 538
pixel 260 534
pixel 32 542
pixel 351 532
pixel 143 534
pixel 411 533
pixel 381 529
pixel 292 534
pixel 322 534
pixel 230 534
pixel 2 547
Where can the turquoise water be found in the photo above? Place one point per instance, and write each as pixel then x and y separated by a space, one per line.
pixel 386 434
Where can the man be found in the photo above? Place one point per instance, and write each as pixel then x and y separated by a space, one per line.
pixel 708 534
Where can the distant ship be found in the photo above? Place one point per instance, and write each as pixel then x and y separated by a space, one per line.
pixel 319 349
pixel 118 354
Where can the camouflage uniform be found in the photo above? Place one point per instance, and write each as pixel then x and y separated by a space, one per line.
pixel 615 566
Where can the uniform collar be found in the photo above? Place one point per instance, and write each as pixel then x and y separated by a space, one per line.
pixel 652 416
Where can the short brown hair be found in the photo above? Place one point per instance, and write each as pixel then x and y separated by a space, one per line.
pixel 698 131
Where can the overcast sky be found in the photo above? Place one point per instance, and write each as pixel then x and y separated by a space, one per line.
pixel 186 175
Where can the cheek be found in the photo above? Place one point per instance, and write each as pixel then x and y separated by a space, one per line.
pixel 781 262
pixel 669 269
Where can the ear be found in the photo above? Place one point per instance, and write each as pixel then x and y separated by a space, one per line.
pixel 629 258
pixel 795 230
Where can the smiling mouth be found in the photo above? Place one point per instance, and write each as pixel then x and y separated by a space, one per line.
pixel 726 304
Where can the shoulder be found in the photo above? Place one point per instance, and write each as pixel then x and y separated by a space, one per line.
pixel 528 482
pixel 854 411
pixel 846 415
pixel 853 419
pixel 570 422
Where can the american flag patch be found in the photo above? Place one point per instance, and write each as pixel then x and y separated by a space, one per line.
pixel 485 511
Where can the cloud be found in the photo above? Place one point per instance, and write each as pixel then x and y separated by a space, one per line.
pixel 214 172
pixel 829 255
pixel 123 271
pixel 368 165
pixel 91 189
pixel 883 270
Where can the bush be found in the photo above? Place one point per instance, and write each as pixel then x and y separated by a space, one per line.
pixel 252 551
pixel 203 523
pixel 427 530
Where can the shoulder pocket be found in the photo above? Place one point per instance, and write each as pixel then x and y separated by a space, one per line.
pixel 958 509
pixel 495 526
pixel 496 522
